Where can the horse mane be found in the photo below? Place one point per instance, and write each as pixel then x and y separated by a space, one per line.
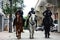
pixel 19 19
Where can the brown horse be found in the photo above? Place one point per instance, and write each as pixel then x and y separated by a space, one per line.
pixel 18 22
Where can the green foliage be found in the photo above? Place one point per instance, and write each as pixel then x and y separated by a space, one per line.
pixel 18 1
pixel 14 9
pixel 7 9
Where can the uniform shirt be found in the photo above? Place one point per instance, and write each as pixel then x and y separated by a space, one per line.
pixel 47 13
pixel 31 12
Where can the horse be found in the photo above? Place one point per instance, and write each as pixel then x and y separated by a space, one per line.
pixel 32 25
pixel 47 22
pixel 18 22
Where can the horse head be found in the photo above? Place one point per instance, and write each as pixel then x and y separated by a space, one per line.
pixel 32 19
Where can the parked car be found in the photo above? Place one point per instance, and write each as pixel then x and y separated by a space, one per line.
pixel 40 28
pixel 55 28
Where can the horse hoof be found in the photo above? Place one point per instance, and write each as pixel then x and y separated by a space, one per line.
pixel 22 31
pixel 18 37
pixel 32 38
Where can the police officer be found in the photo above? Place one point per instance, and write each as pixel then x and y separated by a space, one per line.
pixel 31 12
pixel 47 13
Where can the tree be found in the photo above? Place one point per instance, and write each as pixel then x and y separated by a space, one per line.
pixel 7 8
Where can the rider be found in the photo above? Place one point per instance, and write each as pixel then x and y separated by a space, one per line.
pixel 47 13
pixel 31 12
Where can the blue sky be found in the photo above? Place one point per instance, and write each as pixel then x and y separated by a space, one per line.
pixel 29 4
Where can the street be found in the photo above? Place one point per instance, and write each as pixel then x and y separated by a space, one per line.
pixel 39 35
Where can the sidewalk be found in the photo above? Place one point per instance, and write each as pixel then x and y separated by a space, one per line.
pixel 39 35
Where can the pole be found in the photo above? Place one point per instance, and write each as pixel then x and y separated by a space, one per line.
pixel 10 18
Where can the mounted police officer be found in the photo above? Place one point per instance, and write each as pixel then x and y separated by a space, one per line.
pixel 47 21
pixel 29 14
pixel 21 14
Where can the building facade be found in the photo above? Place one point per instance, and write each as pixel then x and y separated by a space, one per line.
pixel 54 6
pixel 39 9
pixel 2 15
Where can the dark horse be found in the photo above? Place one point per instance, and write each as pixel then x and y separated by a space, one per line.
pixel 47 22
pixel 18 22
